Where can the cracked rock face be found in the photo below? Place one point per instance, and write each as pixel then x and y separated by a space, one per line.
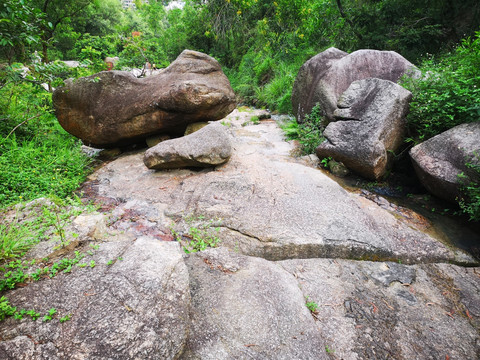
pixel 323 78
pixel 136 308
pixel 113 108
pixel 144 298
pixel 369 126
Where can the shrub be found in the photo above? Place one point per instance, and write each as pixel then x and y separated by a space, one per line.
pixel 448 94
pixel 309 133
pixel 470 204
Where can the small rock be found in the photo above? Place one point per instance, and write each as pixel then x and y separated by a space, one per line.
pixel 155 140
pixel 208 146
pixel 191 128
pixel 338 168
pixel 109 153
pixel 91 226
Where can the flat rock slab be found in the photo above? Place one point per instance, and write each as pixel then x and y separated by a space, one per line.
pixel 136 308
pixel 247 308
pixel 270 204
pixel 380 310
pixel 153 303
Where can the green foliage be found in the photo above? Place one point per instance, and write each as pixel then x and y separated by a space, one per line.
pixel 19 27
pixel 66 318
pixel 15 272
pixel 470 203
pixel 312 306
pixel 448 94
pixel 40 221
pixel 6 309
pixel 309 133
pixel 201 234
pixel 37 157
pixel 49 316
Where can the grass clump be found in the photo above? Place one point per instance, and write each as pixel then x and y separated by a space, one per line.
pixel 309 133
pixel 201 234
pixel 28 224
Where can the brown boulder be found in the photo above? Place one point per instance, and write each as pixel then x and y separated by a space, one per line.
pixel 326 76
pixel 440 160
pixel 114 108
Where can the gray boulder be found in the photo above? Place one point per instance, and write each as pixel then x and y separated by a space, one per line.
pixel 209 146
pixel 114 108
pixel 326 76
pixel 440 160
pixel 371 125
pixel 306 93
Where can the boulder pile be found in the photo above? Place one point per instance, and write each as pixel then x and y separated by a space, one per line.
pixel 325 77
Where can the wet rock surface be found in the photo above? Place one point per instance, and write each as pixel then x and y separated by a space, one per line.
pixel 288 235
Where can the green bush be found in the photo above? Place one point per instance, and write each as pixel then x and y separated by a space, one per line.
pixel 309 133
pixel 470 204
pixel 448 94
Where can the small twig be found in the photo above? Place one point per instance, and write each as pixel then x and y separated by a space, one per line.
pixel 388 305
pixel 23 122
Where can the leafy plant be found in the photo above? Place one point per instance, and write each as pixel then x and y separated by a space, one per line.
pixel 324 162
pixel 448 94
pixel 312 306
pixel 309 133
pixel 50 315
pixel 6 309
pixel 470 203
pixel 200 235
pixel 14 272
pixel 66 318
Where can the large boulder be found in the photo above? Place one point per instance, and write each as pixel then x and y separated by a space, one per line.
pixel 305 91
pixel 326 76
pixel 114 108
pixel 370 126
pixel 440 160
pixel 209 146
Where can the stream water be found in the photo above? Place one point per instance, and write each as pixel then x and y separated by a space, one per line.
pixel 404 191
pixel 445 223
